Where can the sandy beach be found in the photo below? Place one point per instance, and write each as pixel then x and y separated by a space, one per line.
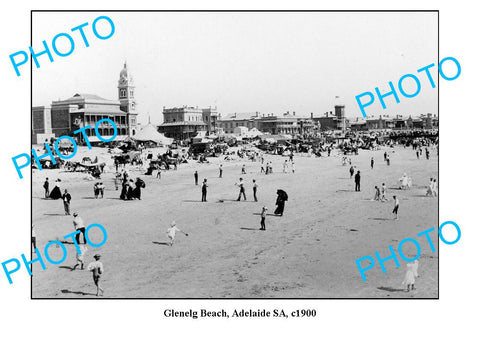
pixel 309 252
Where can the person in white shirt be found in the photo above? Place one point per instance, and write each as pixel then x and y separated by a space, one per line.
pixel 97 269
pixel 171 232
pixel 410 275
pixel 80 257
pixel 242 189
pixel 78 224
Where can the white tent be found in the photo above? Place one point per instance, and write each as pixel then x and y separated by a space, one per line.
pixel 254 132
pixel 149 133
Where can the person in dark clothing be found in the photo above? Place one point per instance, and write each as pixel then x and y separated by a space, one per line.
pixel 357 181
pixel 137 192
pixel 352 170
pixel 123 194
pixel 46 186
pixel 255 186
pixel 372 162
pixel 66 202
pixel 195 175
pixel 281 198
pixel 204 190
pixel 385 156
pixel 130 187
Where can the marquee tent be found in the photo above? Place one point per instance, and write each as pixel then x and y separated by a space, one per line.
pixel 150 133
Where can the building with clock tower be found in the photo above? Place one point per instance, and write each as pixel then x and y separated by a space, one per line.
pixel 126 96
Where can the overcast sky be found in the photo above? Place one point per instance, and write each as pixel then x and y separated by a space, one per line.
pixel 240 62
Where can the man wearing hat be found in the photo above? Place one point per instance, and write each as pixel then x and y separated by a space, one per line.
pixel 97 269
pixel 78 224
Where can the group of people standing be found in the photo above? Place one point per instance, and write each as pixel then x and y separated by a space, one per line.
pixel 56 194
pixel 131 190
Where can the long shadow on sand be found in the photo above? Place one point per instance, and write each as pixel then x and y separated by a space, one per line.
pixel 191 201
pixel 267 214
pixel 65 267
pixel 244 228
pixel 63 241
pixel 55 214
pixel 379 218
pixel 230 200
pixel 344 190
pixel 161 243
pixel 66 291
pixel 390 289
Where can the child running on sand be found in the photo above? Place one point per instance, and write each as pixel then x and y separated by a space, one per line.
pixel 410 275
pixel 97 269
pixel 172 231
pixel 80 257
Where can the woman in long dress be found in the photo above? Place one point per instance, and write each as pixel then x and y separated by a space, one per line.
pixel 56 193
pixel 281 198
pixel 410 275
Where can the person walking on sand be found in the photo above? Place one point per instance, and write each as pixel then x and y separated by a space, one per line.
pixel 66 202
pixel 46 186
pixel 195 175
pixel 388 160
pixel 410 275
pixel 285 166
pixel 263 215
pixel 293 167
pixel 377 194
pixel 80 257
pixel 78 225
pixel 396 204
pixel 97 270
pixel 220 170
pixel 172 231
pixel 204 190
pixel 385 156
pixel 352 171
pixel 435 188
pixel 34 238
pixel 117 179
pixel 242 189
pixel 418 155
pixel 255 186
pixel 357 181
pixel 243 169
pixel 371 163
pixel 383 196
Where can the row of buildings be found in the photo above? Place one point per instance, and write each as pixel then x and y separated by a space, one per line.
pixel 63 117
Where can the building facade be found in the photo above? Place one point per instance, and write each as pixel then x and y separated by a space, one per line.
pixel 81 110
pixel 182 122
pixel 246 119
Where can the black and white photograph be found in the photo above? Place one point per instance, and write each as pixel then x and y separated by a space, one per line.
pixel 225 155
pixel 241 170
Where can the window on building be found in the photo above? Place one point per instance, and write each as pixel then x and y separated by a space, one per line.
pixel 131 93
pixel 123 93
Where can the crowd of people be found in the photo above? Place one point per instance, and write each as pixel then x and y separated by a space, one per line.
pixel 132 189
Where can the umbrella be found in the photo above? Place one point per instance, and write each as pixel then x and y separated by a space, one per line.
pixel 283 195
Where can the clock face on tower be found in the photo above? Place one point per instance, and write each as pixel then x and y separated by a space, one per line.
pixel 123 80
